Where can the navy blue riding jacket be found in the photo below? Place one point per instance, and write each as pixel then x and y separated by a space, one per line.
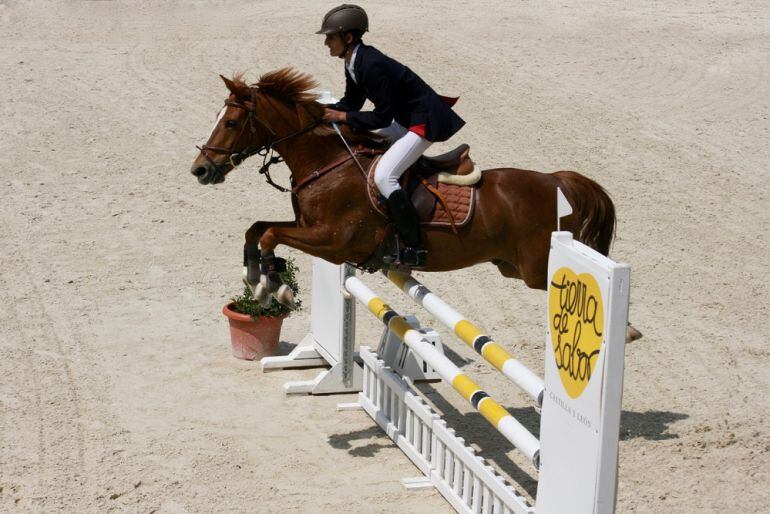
pixel 398 94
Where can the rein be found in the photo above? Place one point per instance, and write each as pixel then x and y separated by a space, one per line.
pixel 275 159
pixel 334 165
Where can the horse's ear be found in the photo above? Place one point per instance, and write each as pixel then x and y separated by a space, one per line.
pixel 230 85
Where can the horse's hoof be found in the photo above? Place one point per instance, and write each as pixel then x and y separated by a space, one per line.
pixel 632 334
pixel 273 281
pixel 285 296
pixel 261 293
pixel 252 286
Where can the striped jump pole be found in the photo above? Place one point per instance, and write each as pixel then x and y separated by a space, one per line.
pixel 492 411
pixel 471 335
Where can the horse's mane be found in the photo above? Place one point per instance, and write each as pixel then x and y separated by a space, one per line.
pixel 296 87
pixel 289 84
pixel 285 84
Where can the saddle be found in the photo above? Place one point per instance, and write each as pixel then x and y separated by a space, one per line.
pixel 455 162
pixel 439 187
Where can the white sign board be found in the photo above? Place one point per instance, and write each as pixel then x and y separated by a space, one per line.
pixel 584 351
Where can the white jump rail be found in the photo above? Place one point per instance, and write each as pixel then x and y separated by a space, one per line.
pixel 471 335
pixel 492 411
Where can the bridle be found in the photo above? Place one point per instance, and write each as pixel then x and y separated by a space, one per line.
pixel 266 150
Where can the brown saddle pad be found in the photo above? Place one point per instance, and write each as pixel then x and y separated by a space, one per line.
pixel 457 205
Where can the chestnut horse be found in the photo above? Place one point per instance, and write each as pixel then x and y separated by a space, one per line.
pixel 511 226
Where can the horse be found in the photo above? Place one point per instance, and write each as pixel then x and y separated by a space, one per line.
pixel 511 225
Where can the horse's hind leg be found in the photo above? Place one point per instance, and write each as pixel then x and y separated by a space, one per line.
pixel 507 269
pixel 632 334
pixel 532 261
pixel 529 265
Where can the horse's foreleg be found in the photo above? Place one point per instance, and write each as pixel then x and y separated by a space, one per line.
pixel 312 240
pixel 251 257
pixel 317 240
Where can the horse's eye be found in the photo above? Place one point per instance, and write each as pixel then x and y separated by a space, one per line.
pixel 231 124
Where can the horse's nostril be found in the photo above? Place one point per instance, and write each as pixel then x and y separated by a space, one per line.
pixel 199 171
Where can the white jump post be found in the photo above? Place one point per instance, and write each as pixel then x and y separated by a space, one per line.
pixel 585 346
pixel 580 395
pixel 331 341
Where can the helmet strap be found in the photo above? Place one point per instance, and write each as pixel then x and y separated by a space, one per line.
pixel 348 46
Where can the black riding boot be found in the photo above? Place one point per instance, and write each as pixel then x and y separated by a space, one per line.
pixel 406 221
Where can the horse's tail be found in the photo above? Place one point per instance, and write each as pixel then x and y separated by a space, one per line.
pixel 593 210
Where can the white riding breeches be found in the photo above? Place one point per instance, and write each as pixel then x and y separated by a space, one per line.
pixel 392 132
pixel 407 148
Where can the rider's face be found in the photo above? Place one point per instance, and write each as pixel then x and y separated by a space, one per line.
pixel 336 45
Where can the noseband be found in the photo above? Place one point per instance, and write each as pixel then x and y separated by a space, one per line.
pixel 267 150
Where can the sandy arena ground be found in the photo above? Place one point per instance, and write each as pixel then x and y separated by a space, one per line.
pixel 118 391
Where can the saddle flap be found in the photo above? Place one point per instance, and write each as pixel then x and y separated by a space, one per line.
pixel 422 199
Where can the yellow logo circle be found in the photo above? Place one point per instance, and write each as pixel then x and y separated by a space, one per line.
pixel 576 318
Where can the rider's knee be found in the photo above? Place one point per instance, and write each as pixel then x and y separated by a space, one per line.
pixel 386 183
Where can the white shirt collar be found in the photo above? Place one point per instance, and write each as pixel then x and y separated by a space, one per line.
pixel 350 64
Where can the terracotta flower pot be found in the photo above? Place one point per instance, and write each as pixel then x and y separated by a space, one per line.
pixel 252 340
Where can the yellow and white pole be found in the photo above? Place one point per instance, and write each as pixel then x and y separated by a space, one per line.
pixel 471 335
pixel 492 411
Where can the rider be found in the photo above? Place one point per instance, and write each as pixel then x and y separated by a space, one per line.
pixel 408 112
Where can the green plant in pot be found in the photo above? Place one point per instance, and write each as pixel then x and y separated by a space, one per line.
pixel 254 329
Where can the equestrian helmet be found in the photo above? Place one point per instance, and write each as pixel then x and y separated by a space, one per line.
pixel 344 18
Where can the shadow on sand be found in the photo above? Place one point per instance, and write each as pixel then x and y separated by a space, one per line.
pixel 650 425
pixel 343 441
